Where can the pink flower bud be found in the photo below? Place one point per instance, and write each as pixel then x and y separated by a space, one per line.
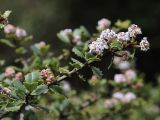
pixel 9 29
pixel 103 24
pixel 120 78
pixel 130 74
pixel 19 76
pixel 9 72
pixel 45 73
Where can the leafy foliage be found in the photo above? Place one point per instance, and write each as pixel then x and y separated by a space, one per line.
pixel 45 84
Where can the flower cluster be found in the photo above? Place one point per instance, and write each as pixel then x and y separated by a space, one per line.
pixel 124 38
pixel 103 24
pixel 126 77
pixel 134 30
pixel 47 76
pixel 11 74
pixel 125 98
pixel 144 44
pixel 118 98
pixel 18 32
pixel 98 46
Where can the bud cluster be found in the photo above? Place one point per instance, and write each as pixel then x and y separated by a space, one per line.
pixel 47 76
pixel 11 74
pixel 18 32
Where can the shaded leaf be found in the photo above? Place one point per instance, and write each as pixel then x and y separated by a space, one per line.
pixel 41 89
pixel 77 52
pixel 96 71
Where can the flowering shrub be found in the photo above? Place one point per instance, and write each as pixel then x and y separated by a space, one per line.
pixel 40 86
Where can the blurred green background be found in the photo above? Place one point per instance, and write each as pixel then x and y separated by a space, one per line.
pixel 44 18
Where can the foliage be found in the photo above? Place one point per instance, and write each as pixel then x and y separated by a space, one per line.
pixel 40 86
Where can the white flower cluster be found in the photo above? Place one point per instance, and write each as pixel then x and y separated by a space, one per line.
pixel 123 36
pixel 125 98
pixel 118 98
pixel 19 32
pixel 144 44
pixel 98 46
pixel 134 30
pixel 108 35
pixel 126 77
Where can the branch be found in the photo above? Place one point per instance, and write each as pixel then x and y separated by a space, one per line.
pixel 62 78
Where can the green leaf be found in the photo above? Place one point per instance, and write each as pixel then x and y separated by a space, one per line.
pixel 19 88
pixel 2 26
pixel 77 52
pixel 2 76
pixel 54 63
pixel 123 24
pixel 41 89
pixel 14 106
pixel 7 42
pixel 32 77
pixel 57 89
pixel 76 63
pixel 35 50
pixel 90 57
pixel 96 71
pixel 64 71
pixel 31 86
pixel 116 45
pixel 63 37
pixel 21 50
pixel 82 32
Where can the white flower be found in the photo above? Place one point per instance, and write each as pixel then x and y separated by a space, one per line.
pixel 9 29
pixel 29 107
pixel 124 65
pixel 129 97
pixel 117 60
pixel 20 32
pixel 76 39
pixel 108 35
pixel 66 86
pixel 98 46
pixel 119 78
pixel 118 96
pixel 21 116
pixel 144 44
pixel 134 30
pixel 123 36
pixel 130 74
pixel 103 24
